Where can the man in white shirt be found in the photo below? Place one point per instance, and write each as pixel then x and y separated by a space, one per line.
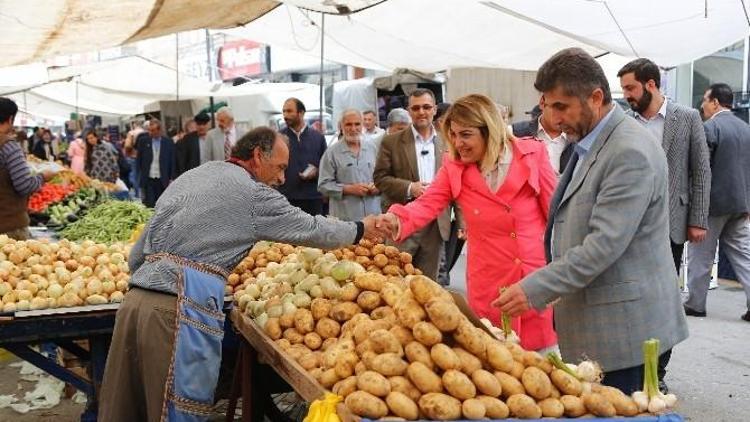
pixel 559 148
pixel 372 132
pixel 406 165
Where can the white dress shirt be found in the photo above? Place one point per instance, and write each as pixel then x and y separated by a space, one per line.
pixel 555 146
pixel 655 125
pixel 425 150
pixel 231 134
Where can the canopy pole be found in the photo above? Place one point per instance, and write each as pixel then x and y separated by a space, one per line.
pixel 177 79
pixel 322 50
pixel 210 71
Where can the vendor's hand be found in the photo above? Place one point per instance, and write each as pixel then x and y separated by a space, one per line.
pixel 356 189
pixel 375 228
pixel 512 301
pixel 372 189
pixel 417 189
pixel 392 222
pixel 47 175
pixel 696 234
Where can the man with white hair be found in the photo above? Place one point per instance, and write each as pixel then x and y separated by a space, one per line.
pixel 398 119
pixel 346 172
pixel 222 138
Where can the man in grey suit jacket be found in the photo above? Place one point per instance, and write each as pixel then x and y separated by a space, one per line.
pixel 680 131
pixel 221 139
pixel 729 142
pixel 607 231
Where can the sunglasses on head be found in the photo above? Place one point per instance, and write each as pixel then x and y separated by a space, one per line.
pixel 425 107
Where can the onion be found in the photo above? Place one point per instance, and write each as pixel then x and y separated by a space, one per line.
pixel 656 405
pixel 55 291
pixel 641 400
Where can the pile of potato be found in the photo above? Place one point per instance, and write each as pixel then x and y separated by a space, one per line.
pixel 38 274
pixel 400 347
pixel 372 257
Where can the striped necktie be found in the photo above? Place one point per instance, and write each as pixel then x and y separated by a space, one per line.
pixel 227 146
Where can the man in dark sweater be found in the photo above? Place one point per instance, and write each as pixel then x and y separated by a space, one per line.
pixel 306 147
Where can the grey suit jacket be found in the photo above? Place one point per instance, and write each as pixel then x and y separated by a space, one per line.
pixel 611 263
pixel 684 143
pixel 396 167
pixel 215 141
pixel 728 140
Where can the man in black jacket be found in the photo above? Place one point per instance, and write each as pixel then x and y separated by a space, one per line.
pixel 188 149
pixel 558 147
pixel 155 162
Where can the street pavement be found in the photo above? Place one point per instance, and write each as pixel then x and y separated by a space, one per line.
pixel 710 371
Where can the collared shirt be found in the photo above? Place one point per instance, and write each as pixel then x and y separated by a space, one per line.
pixel 583 146
pixel 231 134
pixel 203 145
pixel 720 111
pixel 374 136
pixel 154 172
pixel 425 150
pixel 555 146
pixel 496 176
pixel 655 125
pixel 340 166
pixel 305 148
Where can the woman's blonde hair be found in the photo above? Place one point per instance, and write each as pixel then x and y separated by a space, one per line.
pixel 476 110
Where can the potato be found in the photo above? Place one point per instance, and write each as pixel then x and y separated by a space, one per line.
pixel 403 334
pixel 516 350
pixel 373 383
pixel 293 336
pixel 363 347
pixel 328 378
pixel 383 341
pixel 359 368
pixel 573 406
pixel 389 364
pixel 470 339
pixel 362 329
pixel 403 385
pixel 409 311
pixel 308 361
pixel 469 362
pixel 391 294
pixel 423 378
pixel 368 300
pixel 283 343
pixel 473 409
pixel 486 383
pixel 349 292
pixel 598 405
pixel 536 383
pixel 402 405
pixel 445 315
pixel 370 281
pixel 509 384
pixel 344 311
pixel 328 328
pixel 494 407
pixel 551 408
pixel 458 385
pixel 320 307
pixel 366 405
pixel 417 352
pixel 303 321
pixel 444 357
pixel 624 405
pixel 343 369
pixel 555 393
pixel 524 407
pixel 380 260
pixel 286 321
pixel 273 329
pixel 368 357
pixel 517 370
pixel 535 359
pixel 566 383
pixel 424 289
pixel 313 341
pixel 438 406
pixel 499 357
pixel 426 333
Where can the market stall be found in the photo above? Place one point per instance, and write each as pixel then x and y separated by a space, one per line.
pixel 362 323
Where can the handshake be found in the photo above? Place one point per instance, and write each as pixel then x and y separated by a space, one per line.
pixel 381 227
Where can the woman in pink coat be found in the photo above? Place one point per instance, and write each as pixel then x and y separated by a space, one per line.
pixel 504 187
pixel 76 153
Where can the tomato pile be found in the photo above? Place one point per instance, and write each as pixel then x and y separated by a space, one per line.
pixel 47 195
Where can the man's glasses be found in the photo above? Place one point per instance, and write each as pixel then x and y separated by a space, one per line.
pixel 425 107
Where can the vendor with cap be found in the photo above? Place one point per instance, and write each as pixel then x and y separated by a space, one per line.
pixel 544 130
pixel 164 359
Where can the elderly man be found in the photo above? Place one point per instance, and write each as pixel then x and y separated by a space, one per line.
pixel 398 119
pixel 346 172
pixel 166 345
pixel 306 147
pixel 221 139
pixel 607 230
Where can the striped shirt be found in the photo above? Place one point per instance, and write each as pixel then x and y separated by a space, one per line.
pixel 13 159
pixel 214 214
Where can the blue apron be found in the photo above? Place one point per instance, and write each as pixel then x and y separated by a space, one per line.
pixel 196 356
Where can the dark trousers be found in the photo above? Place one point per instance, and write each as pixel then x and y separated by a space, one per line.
pixel 152 190
pixel 677 249
pixel 310 206
pixel 630 379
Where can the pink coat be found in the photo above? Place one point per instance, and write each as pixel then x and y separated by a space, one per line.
pixel 77 154
pixel 505 230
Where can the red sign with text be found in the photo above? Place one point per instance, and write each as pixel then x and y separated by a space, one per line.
pixel 239 58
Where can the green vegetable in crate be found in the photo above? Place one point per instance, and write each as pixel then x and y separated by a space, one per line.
pixel 109 222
